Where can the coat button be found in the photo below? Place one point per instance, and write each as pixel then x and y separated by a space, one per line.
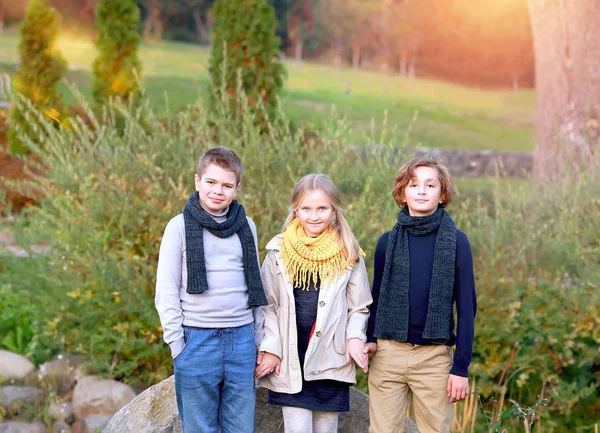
pixel 318 333
pixel 322 304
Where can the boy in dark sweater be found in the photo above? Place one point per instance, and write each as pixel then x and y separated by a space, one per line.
pixel 423 266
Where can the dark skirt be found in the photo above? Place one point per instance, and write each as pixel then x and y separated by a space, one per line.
pixel 323 395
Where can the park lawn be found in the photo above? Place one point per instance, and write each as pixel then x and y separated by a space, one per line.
pixel 448 115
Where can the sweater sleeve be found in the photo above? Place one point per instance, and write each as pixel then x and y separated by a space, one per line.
pixel 168 284
pixel 379 264
pixel 466 305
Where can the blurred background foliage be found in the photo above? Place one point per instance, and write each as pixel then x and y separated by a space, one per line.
pixel 108 184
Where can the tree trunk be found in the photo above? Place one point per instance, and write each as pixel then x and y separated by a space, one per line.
pixel 567 74
pixel 403 67
pixel 2 15
pixel 298 48
pixel 412 65
pixel 199 25
pixel 338 51
pixel 203 28
pixel 356 50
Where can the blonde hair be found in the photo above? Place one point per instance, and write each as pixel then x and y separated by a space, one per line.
pixel 407 173
pixel 321 182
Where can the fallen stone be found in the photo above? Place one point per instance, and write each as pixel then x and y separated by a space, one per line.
pixel 61 426
pixel 9 395
pixel 59 375
pixel 62 411
pixel 100 397
pixel 14 366
pixel 22 427
pixel 95 423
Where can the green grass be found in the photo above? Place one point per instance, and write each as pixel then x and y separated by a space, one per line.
pixel 449 115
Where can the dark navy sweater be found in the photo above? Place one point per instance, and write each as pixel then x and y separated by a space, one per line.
pixel 421 265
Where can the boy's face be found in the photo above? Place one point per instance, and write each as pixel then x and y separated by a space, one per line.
pixel 217 188
pixel 423 193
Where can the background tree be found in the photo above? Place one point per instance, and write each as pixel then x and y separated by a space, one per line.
pixel 117 69
pixel 10 10
pixel 300 22
pixel 244 32
pixel 203 21
pixel 566 39
pixel 154 22
pixel 40 71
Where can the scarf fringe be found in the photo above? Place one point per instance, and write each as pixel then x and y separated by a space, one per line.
pixel 321 260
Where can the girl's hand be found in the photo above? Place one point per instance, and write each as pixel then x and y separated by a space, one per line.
pixel 458 388
pixel 266 363
pixel 370 349
pixel 354 349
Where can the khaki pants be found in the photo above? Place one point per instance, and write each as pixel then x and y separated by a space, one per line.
pixel 398 368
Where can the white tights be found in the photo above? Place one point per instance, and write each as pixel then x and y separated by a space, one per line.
pixel 300 420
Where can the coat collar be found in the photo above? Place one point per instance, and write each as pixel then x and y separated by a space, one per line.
pixel 275 243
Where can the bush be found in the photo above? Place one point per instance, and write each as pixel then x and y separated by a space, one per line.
pixel 117 69
pixel 40 70
pixel 245 48
pixel 109 192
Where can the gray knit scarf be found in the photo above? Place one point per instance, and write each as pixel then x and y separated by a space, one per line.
pixel 196 219
pixel 392 310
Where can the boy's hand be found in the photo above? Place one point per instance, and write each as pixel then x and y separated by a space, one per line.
pixel 266 363
pixel 370 349
pixel 458 388
pixel 354 349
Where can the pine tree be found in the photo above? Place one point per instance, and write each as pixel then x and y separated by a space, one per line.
pixel 40 70
pixel 117 69
pixel 244 38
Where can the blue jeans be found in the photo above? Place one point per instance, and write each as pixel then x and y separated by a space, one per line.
pixel 214 380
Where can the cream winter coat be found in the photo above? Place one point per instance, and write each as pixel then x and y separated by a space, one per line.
pixel 342 314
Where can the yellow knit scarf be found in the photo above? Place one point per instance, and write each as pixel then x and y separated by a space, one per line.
pixel 319 258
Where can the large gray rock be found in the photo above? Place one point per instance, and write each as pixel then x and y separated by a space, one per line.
pixel 22 427
pixel 14 366
pixel 10 395
pixel 155 411
pixel 100 397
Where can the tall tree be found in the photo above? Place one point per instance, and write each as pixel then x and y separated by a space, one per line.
pixel 244 39
pixel 153 24
pixel 566 37
pixel 40 71
pixel 117 69
pixel 203 21
pixel 10 10
pixel 300 22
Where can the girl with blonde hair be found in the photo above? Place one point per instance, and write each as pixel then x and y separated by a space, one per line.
pixel 318 294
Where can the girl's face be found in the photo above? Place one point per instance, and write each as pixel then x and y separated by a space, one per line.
pixel 315 212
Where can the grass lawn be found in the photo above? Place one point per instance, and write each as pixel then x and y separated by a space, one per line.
pixel 449 115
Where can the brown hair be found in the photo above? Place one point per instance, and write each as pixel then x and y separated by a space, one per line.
pixel 225 158
pixel 321 182
pixel 407 173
